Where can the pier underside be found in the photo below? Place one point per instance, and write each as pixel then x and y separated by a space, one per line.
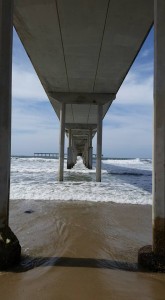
pixel 82 51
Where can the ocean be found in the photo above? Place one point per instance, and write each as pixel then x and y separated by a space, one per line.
pixel 123 181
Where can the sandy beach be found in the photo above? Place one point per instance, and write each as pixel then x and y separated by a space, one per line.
pixel 80 250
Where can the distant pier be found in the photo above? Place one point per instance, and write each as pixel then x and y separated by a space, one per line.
pixel 54 155
pixel 46 155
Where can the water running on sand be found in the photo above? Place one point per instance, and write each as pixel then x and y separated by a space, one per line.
pixel 81 250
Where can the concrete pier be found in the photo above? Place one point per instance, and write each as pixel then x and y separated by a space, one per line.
pixel 46 155
pixel 9 246
pixel 86 154
pixel 154 257
pixel 74 152
pixel 70 163
pixel 159 132
pixel 99 142
pixel 82 68
pixel 90 155
pixel 90 149
pixel 88 71
pixel 62 141
pixel 70 158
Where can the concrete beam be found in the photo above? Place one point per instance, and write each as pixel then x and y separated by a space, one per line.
pixel 79 126
pixel 82 98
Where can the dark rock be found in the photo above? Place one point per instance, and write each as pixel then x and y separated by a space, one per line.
pixel 10 249
pixel 28 211
pixel 150 261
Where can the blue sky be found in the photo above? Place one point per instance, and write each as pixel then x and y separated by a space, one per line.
pixel 127 127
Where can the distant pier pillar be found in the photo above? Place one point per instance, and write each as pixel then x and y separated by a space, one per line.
pixel 70 138
pixel 90 150
pixel 154 257
pixel 70 163
pixel 74 154
pixel 10 249
pixel 62 141
pixel 86 155
pixel 99 142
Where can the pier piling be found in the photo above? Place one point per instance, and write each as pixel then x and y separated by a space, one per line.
pixel 10 249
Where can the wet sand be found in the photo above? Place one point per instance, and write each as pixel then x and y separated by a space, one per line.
pixel 80 250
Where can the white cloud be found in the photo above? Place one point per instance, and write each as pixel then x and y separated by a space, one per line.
pixel 128 124
pixel 26 85
pixel 146 52
pixel 143 69
pixel 40 141
pixel 35 128
pixel 131 138
pixel 135 91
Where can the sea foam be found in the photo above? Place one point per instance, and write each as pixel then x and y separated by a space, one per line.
pixel 123 181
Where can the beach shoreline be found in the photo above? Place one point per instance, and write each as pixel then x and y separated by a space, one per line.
pixel 80 250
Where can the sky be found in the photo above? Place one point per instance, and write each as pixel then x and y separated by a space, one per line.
pixel 127 127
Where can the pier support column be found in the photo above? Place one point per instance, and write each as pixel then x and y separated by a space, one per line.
pixel 99 143
pixel 90 154
pixel 69 158
pixel 10 249
pixel 159 132
pixel 69 154
pixel 62 141
pixel 154 257
pixel 86 155
pixel 74 155
pixel 90 150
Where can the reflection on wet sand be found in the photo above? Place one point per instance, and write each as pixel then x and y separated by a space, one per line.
pixel 28 263
pixel 80 250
